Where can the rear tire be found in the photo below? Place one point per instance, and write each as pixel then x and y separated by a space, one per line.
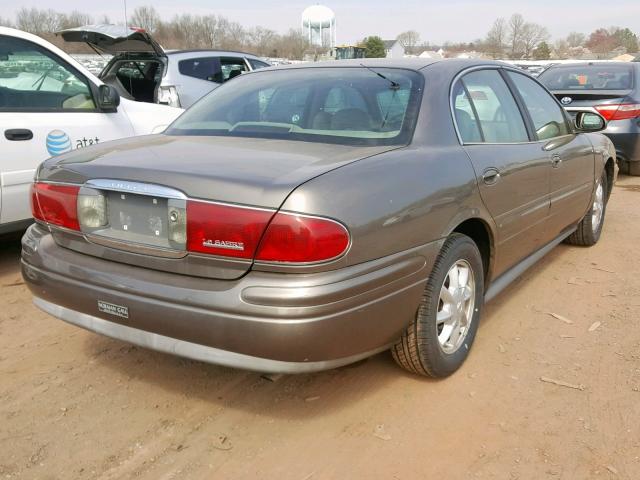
pixel 590 227
pixel 438 341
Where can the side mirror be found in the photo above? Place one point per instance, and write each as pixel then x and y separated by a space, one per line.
pixel 108 98
pixel 587 121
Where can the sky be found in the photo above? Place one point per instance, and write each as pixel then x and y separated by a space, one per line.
pixel 436 21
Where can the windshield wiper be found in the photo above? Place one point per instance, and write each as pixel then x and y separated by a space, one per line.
pixel 394 85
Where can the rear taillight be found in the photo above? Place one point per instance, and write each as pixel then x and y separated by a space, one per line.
pixel 296 238
pixel 619 111
pixel 168 95
pixel 55 204
pixel 239 232
pixel 225 230
pixel 210 228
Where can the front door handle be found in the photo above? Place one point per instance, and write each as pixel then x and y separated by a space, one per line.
pixel 18 134
pixel 490 176
pixel 556 160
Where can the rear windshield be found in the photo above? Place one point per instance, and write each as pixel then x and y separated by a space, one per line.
pixel 344 105
pixel 588 77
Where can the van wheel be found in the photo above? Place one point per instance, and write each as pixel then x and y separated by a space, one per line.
pixel 590 227
pixel 438 341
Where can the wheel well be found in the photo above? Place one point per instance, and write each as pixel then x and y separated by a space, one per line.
pixel 478 231
pixel 609 168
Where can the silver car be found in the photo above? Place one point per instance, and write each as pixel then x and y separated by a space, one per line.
pixel 142 70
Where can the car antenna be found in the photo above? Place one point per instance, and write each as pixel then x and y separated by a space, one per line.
pixel 394 85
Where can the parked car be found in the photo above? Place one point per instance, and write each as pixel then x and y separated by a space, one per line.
pixel 142 70
pixel 609 88
pixel 50 104
pixel 305 217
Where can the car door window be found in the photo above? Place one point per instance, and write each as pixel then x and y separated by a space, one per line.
pixel 33 79
pixel 547 116
pixel 232 67
pixel 497 112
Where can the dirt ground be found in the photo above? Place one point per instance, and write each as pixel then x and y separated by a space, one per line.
pixel 75 405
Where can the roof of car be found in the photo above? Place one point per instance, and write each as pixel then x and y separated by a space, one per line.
pixel 211 51
pixel 587 63
pixel 407 63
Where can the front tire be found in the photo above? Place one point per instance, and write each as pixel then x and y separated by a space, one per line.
pixel 438 341
pixel 590 227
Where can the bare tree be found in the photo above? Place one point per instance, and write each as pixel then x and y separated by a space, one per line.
pixel 561 49
pixel 262 40
pixel 494 43
pixel 234 36
pixel 409 40
pixel 146 17
pixel 531 35
pixel 576 39
pixel 294 45
pixel 74 19
pixel 5 22
pixel 516 24
pixel 209 31
pixel 36 21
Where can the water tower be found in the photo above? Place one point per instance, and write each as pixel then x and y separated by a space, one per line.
pixel 319 25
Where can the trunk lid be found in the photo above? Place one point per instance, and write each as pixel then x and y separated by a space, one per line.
pixel 113 39
pixel 238 171
pixel 590 98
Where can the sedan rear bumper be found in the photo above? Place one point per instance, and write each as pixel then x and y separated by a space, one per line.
pixel 625 135
pixel 186 349
pixel 263 321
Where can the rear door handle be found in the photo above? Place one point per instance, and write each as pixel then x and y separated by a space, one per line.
pixel 556 160
pixel 490 176
pixel 18 134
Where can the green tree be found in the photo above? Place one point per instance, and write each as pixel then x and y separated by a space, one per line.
pixel 542 51
pixel 374 47
pixel 627 39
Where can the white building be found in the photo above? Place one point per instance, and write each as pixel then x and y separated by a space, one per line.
pixel 393 48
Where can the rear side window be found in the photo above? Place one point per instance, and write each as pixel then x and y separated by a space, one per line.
pixel 466 119
pixel 256 64
pixel 205 68
pixel 546 115
pixel 212 69
pixel 589 77
pixel 493 106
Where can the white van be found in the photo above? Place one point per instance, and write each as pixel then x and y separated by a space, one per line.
pixel 50 104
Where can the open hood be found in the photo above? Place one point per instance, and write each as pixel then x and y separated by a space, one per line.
pixel 113 39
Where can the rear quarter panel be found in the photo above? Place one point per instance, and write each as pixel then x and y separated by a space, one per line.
pixel 395 201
